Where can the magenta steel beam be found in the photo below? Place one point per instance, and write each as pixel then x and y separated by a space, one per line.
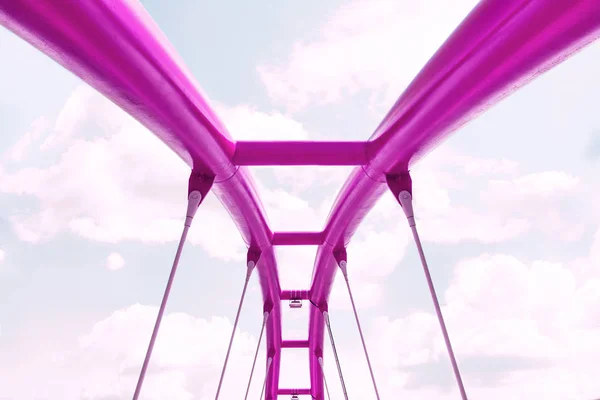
pixel 300 153
pixel 498 48
pixel 297 238
pixel 294 344
pixel 115 47
pixel 295 295
pixel 294 391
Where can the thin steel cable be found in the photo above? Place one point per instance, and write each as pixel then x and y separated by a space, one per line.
pixel 161 311
pixel 262 392
pixel 438 310
pixel 324 380
pixel 337 360
pixel 262 329
pixel 360 330
pixel 237 318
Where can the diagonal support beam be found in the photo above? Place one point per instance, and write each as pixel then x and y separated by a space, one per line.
pixel 198 187
pixel 251 260
pixel 262 330
pixel 341 257
pixel 269 362
pixel 401 187
pixel 324 379
pixel 335 353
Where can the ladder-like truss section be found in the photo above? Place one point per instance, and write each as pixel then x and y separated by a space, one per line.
pixel 114 46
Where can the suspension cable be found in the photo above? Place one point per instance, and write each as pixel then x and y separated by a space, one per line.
pixel 250 268
pixel 262 329
pixel 262 392
pixel 337 360
pixel 342 265
pixel 324 379
pixel 405 199
pixel 194 200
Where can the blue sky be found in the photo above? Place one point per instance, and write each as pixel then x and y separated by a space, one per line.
pixel 91 206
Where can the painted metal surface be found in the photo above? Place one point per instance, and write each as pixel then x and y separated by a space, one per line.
pixel 499 47
pixel 300 153
pixel 115 47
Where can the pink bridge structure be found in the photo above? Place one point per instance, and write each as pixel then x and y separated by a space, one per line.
pixel 116 47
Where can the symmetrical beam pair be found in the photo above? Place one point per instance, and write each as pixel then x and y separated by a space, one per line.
pixel 115 47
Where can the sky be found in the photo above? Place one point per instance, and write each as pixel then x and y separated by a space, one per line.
pixel 91 207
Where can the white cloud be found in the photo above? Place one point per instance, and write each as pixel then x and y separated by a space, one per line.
pixel 510 206
pixel 461 198
pixel 529 321
pixel 376 45
pixel 248 123
pixel 496 306
pixel 115 261
pixel 545 199
pixel 105 362
pixel 19 150
pixel 115 181
pixel 2 255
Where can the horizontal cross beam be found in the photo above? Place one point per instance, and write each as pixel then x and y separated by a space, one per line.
pixel 297 238
pixel 293 391
pixel 294 344
pixel 300 153
pixel 294 295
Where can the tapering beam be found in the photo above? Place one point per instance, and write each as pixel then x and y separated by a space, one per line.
pixel 300 153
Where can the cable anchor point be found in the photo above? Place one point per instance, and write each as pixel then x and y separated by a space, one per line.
pixel 252 258
pixel 199 185
pixel 401 187
pixel 341 258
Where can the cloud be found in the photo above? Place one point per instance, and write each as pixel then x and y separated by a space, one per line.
pixel 20 149
pixel 513 325
pixel 458 199
pixel 247 123
pixel 363 46
pixel 105 362
pixel 2 255
pixel 461 198
pixel 114 181
pixel 115 261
